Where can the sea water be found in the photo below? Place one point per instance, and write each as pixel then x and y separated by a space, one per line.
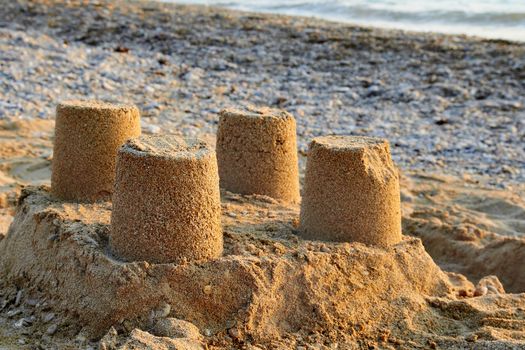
pixel 499 19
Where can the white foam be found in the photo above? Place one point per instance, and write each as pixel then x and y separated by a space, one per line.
pixel 499 19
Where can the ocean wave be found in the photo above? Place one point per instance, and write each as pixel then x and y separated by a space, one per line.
pixel 490 18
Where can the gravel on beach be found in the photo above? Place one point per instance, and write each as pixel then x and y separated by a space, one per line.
pixel 449 104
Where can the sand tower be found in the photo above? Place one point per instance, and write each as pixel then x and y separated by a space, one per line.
pixel 351 191
pixel 257 153
pixel 166 205
pixel 87 137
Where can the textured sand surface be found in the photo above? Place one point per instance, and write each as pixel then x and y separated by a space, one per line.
pixel 166 205
pixel 257 153
pixel 446 103
pixel 351 191
pixel 467 229
pixel 87 137
pixel 270 287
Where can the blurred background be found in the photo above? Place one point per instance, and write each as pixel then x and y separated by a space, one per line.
pixel 497 19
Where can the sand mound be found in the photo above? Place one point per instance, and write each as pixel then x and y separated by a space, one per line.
pixel 270 287
pixel 473 231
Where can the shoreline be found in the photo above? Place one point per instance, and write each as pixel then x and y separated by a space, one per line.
pixel 406 27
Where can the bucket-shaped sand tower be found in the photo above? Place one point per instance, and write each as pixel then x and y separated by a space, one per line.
pixel 87 137
pixel 166 205
pixel 351 192
pixel 257 153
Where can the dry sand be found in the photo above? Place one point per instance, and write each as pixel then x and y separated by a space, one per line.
pixel 271 289
pixel 257 152
pixel 450 104
pixel 351 191
pixel 166 205
pixel 87 137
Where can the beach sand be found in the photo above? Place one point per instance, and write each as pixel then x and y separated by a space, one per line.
pixel 463 208
pixel 385 298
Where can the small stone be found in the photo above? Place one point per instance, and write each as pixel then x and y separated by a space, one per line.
pixel 18 297
pixel 13 313
pixel 80 338
pixel 163 311
pixel 23 322
pixel 151 129
pixel 325 249
pixel 175 328
pixel 193 75
pixel 489 285
pixel 480 291
pixel 235 333
pixel 374 90
pixel 52 329
pixel 48 317
pixel 207 289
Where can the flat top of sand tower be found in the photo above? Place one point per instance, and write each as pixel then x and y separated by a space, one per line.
pixel 95 105
pixel 348 143
pixel 255 113
pixel 167 147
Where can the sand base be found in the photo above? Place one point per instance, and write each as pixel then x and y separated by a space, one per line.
pixel 270 287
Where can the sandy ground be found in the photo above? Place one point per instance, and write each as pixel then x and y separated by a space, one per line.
pixel 465 226
pixel 58 279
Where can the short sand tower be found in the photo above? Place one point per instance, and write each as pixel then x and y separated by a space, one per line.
pixel 351 192
pixel 166 205
pixel 257 153
pixel 87 137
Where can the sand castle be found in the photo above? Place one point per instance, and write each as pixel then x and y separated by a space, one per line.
pixel 166 206
pixel 87 136
pixel 156 255
pixel 257 153
pixel 351 191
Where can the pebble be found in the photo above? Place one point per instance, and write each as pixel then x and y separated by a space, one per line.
pixel 480 291
pixel 52 329
pixel 234 333
pixel 207 289
pixel 325 249
pixel 163 311
pixel 13 313
pixel 18 297
pixel 175 328
pixel 150 128
pixel 48 317
pixel 23 322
